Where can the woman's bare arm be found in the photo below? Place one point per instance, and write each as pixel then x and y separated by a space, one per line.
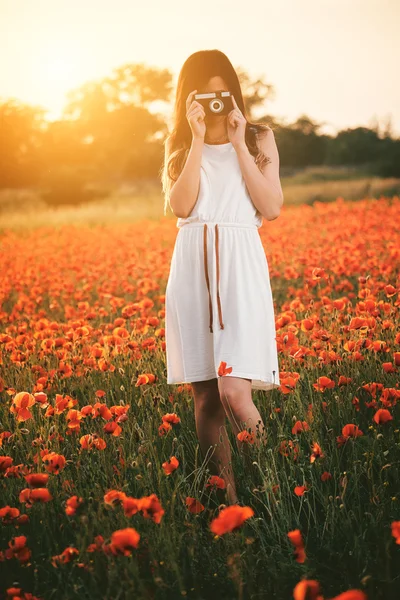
pixel 185 189
pixel 264 187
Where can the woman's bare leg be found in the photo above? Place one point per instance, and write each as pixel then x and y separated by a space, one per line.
pixel 210 426
pixel 236 397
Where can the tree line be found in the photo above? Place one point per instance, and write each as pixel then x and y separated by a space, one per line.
pixel 109 133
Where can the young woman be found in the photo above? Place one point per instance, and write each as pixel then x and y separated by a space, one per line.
pixel 220 178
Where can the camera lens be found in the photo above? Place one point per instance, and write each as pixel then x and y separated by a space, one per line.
pixel 216 106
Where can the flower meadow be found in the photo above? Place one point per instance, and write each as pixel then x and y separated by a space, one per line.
pixel 103 490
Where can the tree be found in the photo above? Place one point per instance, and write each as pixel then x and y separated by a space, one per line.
pixel 21 137
pixel 255 92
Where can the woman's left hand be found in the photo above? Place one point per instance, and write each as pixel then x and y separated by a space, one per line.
pixel 236 126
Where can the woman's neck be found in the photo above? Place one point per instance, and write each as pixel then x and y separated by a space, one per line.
pixel 218 133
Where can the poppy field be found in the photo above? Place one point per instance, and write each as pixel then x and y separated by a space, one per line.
pixel 104 492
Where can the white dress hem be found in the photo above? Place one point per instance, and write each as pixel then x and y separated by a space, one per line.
pixel 257 382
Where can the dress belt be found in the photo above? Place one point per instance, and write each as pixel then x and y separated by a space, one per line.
pixel 216 226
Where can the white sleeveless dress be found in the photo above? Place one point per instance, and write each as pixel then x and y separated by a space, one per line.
pixel 218 299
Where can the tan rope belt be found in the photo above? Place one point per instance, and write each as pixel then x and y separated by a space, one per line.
pixel 216 227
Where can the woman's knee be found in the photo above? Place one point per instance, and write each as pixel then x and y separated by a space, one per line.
pixel 206 396
pixel 235 391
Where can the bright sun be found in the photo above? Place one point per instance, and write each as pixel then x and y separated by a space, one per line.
pixel 57 70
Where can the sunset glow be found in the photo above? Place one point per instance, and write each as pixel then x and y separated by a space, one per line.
pixel 331 60
pixel 57 68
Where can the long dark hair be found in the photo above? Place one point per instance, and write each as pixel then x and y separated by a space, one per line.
pixel 196 71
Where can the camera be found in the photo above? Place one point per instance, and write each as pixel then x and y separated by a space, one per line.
pixel 215 103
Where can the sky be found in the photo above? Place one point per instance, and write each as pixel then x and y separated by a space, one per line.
pixel 333 60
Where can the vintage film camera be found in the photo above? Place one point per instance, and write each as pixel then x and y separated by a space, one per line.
pixel 215 103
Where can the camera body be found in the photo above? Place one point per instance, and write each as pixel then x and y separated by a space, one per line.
pixel 215 103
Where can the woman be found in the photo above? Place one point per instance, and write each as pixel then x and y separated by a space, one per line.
pixel 220 178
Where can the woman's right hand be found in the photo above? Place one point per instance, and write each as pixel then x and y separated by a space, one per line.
pixel 195 115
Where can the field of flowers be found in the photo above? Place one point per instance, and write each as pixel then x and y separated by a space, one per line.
pixel 103 490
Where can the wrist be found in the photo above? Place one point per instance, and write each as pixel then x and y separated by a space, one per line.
pixel 241 148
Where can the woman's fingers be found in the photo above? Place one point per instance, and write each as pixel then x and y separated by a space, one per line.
pixel 194 111
pixel 189 99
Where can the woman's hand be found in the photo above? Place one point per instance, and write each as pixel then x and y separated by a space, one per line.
pixel 195 115
pixel 236 126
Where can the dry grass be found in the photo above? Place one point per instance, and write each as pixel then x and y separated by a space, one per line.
pixel 327 191
pixel 20 209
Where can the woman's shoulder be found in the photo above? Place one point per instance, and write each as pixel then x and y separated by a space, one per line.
pixel 265 138
pixel 262 130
